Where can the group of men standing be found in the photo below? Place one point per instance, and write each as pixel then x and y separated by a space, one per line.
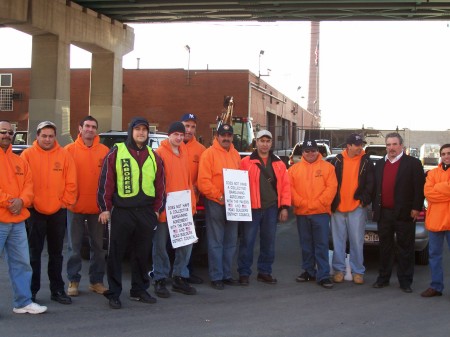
pixel 125 189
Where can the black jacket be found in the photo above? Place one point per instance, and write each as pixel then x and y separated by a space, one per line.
pixel 366 181
pixel 408 190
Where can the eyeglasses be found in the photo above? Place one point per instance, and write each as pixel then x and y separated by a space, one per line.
pixel 308 151
pixel 9 132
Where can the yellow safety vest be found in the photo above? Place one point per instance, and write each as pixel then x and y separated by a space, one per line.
pixel 129 174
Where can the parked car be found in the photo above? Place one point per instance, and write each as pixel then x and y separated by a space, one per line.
pixel 112 137
pixel 199 251
pixel 296 155
pixel 375 149
pixel 371 237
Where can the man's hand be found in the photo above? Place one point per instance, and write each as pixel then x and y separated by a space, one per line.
pixel 15 206
pixel 414 214
pixel 283 215
pixel 104 217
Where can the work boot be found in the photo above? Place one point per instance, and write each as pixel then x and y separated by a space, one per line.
pixel 160 288
pixel 181 285
pixel 72 290
pixel 98 288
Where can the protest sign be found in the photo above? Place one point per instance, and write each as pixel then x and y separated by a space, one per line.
pixel 179 218
pixel 237 195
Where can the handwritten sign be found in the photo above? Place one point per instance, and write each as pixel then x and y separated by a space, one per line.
pixel 179 218
pixel 237 195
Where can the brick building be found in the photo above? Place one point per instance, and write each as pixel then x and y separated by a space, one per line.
pixel 163 95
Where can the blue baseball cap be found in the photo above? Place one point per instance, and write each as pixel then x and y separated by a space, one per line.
pixel 189 117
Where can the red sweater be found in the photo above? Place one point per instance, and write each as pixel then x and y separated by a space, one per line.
pixel 388 184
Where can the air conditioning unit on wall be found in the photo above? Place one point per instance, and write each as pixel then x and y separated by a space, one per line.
pixel 5 80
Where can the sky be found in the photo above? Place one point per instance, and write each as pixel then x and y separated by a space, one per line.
pixel 373 74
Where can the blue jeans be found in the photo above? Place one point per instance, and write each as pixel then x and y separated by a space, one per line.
pixel 436 245
pixel 161 262
pixel 264 220
pixel 222 238
pixel 98 255
pixel 313 232
pixel 351 226
pixel 13 239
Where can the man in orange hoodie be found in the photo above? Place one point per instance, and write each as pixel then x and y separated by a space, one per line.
pixel 313 187
pixel 55 189
pixel 356 181
pixel 87 153
pixel 174 156
pixel 16 194
pixel 194 151
pixel 437 221
pixel 221 233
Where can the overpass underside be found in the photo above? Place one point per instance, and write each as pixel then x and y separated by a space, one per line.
pixel 98 27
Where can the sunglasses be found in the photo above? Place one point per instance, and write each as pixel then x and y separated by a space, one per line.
pixel 9 132
pixel 308 151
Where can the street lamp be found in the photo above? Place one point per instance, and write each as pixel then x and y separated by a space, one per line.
pixel 303 116
pixel 261 53
pixel 189 63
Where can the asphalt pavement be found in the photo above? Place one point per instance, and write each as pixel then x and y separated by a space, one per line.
pixel 286 309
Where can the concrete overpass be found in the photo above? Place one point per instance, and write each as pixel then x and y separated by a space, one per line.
pixel 98 27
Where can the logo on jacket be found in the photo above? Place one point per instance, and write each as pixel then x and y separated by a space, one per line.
pixel 318 173
pixel 57 167
pixel 19 170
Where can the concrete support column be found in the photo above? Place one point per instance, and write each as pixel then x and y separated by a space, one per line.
pixel 50 85
pixel 106 90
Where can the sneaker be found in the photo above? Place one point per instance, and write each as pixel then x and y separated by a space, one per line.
pixel 114 303
pixel 72 290
pixel 338 277
pixel 160 289
pixel 218 285
pixel 305 277
pixel 358 278
pixel 32 308
pixel 326 283
pixel 98 288
pixel 181 285
pixel 61 297
pixel 143 297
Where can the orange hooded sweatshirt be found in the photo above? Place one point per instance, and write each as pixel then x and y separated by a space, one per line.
pixel 194 150
pixel 176 172
pixel 349 182
pixel 210 171
pixel 16 181
pixel 313 186
pixel 54 178
pixel 88 162
pixel 437 192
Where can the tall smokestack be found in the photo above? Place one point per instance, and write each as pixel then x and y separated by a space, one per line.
pixel 314 66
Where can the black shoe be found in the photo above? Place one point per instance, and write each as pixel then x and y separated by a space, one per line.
pixel 160 289
pixel 61 297
pixel 143 297
pixel 326 283
pixel 230 282
pixel 244 280
pixel 380 284
pixel 218 285
pixel 193 279
pixel 406 289
pixel 181 285
pixel 305 277
pixel 114 303
pixel 266 278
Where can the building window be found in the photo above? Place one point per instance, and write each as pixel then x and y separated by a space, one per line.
pixel 6 80
pixel 6 99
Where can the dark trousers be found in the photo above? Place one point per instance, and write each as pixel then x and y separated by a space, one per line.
pixel 133 228
pixel 52 227
pixel 404 233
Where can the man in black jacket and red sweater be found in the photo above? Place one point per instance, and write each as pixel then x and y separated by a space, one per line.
pixel 398 201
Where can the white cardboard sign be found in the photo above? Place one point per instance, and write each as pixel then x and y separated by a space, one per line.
pixel 237 195
pixel 179 218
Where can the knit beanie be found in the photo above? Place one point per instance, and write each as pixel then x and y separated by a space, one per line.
pixel 176 127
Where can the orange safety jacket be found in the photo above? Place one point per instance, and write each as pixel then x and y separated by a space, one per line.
pixel 88 162
pixel 210 171
pixel 313 186
pixel 176 172
pixel 16 181
pixel 249 164
pixel 54 178
pixel 437 193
